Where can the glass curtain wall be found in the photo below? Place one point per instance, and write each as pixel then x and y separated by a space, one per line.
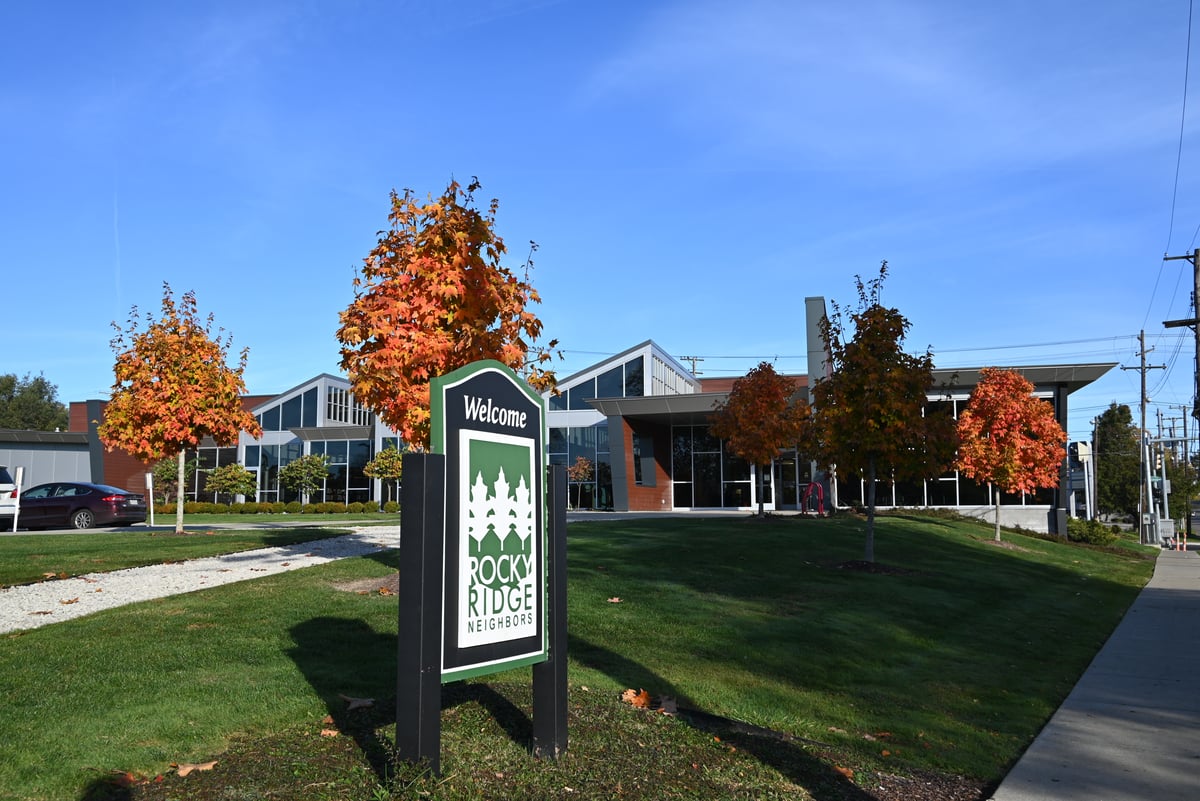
pixel 703 475
pixel 950 489
pixel 567 444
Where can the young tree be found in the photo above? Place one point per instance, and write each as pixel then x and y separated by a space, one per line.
pixel 1008 438
pixel 387 466
pixel 30 404
pixel 232 479
pixel 761 416
pixel 305 475
pixel 173 386
pixel 578 473
pixel 433 297
pixel 1118 461
pixel 868 415
pixel 166 476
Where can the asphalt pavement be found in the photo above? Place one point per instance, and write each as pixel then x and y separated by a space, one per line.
pixel 1130 730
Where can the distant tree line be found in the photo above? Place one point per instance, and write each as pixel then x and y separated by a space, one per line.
pixel 30 404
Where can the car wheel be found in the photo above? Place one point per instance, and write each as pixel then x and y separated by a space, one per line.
pixel 83 519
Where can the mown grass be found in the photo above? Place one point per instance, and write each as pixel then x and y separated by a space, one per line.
pixel 29 558
pixel 948 663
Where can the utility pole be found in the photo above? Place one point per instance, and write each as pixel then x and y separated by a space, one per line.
pixel 694 360
pixel 1145 456
pixel 1193 322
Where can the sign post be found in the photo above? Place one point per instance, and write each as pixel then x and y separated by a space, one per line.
pixel 19 478
pixel 484 590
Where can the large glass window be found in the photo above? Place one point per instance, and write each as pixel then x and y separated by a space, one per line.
pixel 309 419
pixel 611 384
pixel 635 382
pixel 269 419
pixel 579 395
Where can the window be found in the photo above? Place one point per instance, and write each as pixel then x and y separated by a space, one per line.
pixel 635 383
pixel 611 384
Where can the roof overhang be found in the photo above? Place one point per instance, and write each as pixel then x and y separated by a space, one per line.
pixel 1042 376
pixel 322 433
pixel 675 409
pixel 53 437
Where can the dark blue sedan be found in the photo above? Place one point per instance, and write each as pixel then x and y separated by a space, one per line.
pixel 79 505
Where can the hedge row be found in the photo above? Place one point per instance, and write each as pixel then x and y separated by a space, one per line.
pixel 276 508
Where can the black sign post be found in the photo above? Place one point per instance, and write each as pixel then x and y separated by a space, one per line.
pixel 550 677
pixel 418 663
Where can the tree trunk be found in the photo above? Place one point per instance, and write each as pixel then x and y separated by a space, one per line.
pixel 870 549
pixel 996 489
pixel 179 493
pixel 761 513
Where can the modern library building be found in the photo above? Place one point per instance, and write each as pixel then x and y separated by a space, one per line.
pixel 641 418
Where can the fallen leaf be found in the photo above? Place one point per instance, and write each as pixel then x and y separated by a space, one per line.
pixel 330 732
pixel 327 719
pixel 614 600
pixel 849 774
pixel 185 768
pixel 284 564
pixel 386 591
pixel 639 700
pixel 885 753
pixel 357 703
pixel 74 600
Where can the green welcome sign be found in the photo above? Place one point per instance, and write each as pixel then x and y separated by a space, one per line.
pixel 490 426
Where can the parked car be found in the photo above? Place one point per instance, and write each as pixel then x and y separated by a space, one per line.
pixel 8 498
pixel 80 505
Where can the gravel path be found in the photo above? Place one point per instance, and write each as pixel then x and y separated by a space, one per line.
pixel 31 606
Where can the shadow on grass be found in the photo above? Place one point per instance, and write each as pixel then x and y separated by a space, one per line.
pixel 345 660
pixel 783 753
pixel 107 789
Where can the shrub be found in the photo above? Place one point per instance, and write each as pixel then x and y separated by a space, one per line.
pixel 277 507
pixel 1092 532
pixel 293 507
pixel 391 507
pixel 165 508
pixel 355 507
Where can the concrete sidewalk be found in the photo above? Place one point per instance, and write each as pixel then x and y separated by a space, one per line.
pixel 1130 730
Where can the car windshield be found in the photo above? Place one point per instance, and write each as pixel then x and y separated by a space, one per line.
pixel 5 477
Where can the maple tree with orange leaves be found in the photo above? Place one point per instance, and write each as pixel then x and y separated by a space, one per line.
pixel 1008 438
pixel 761 416
pixel 433 297
pixel 173 387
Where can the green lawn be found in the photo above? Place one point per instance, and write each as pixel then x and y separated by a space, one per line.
pixel 949 663
pixel 27 558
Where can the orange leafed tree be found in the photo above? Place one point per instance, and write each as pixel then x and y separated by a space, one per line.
pixel 431 298
pixel 761 416
pixel 869 415
pixel 173 386
pixel 1009 438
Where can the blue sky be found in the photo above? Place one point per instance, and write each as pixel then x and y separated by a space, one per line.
pixel 691 171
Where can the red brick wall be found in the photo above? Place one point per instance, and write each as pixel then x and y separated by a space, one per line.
pixel 120 469
pixel 643 498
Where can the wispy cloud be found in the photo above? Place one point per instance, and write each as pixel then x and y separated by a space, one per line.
pixel 896 85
